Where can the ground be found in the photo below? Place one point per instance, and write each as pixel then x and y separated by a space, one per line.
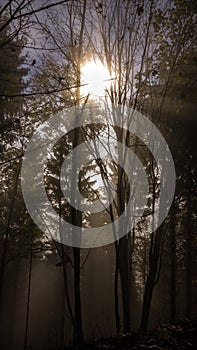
pixel 180 336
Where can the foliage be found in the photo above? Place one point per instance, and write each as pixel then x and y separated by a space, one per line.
pixel 164 336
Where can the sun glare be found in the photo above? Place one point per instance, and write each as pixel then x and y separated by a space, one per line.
pixel 96 79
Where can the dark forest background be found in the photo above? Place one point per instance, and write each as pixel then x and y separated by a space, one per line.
pixel 52 295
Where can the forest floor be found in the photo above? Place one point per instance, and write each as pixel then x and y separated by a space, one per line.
pixel 182 335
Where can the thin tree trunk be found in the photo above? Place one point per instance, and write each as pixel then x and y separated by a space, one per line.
pixel 147 301
pixel 173 265
pixel 153 277
pixel 28 295
pixel 124 253
pixel 78 331
pixel 188 257
pixel 125 282
pixel 76 217
pixel 76 220
pixel 116 298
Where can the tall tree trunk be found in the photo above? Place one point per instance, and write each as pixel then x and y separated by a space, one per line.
pixel 76 220
pixel 173 264
pixel 116 298
pixel 153 277
pixel 78 331
pixel 125 281
pixel 124 246
pixel 147 300
pixel 76 216
pixel 28 294
pixel 188 256
pixel 62 253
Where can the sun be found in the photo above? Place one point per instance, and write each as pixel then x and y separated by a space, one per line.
pixel 96 79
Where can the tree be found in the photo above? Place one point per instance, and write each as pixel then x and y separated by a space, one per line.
pixel 12 81
pixel 171 55
pixel 122 45
pixel 147 47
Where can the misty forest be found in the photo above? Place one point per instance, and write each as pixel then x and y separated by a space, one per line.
pixel 97 221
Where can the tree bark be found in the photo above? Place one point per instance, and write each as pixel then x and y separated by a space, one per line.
pixel 125 282
pixel 78 331
pixel 116 298
pixel 28 294
pixel 173 265
pixel 147 301
pixel 188 257
pixel 153 277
